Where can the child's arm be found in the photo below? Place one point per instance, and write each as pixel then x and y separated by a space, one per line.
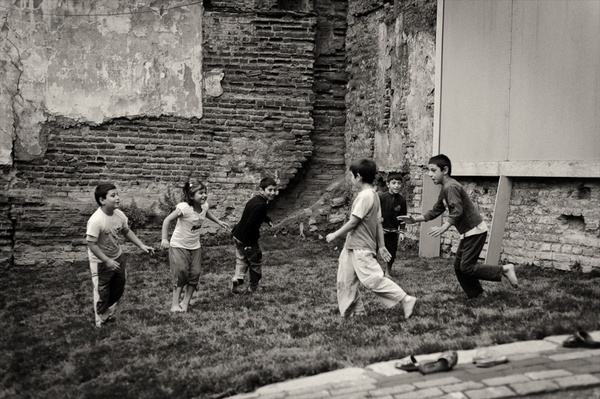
pixel 111 264
pixel 164 242
pixel 348 226
pixel 130 235
pixel 210 216
pixel 383 252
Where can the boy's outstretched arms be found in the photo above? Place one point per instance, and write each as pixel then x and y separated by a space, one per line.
pixel 133 238
pixel 434 231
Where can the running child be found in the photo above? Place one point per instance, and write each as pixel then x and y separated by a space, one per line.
pixel 470 225
pixel 185 256
pixel 107 260
pixel 358 261
pixel 246 233
pixel 393 205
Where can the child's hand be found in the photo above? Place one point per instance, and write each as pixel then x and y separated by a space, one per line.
pixel 224 225
pixel 437 231
pixel 148 249
pixel 401 236
pixel 330 237
pixel 112 264
pixel 407 219
pixel 385 254
pixel 164 244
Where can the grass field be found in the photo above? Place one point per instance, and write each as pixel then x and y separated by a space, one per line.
pixel 227 344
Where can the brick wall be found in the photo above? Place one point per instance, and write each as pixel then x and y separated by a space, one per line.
pixel 262 123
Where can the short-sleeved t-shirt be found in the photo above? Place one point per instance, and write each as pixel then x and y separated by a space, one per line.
pixel 187 231
pixel 367 208
pixel 105 230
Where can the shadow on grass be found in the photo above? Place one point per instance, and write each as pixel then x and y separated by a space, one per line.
pixel 229 344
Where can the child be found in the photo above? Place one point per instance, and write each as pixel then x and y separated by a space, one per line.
pixel 470 225
pixel 184 249
pixel 358 258
pixel 246 233
pixel 107 261
pixel 393 205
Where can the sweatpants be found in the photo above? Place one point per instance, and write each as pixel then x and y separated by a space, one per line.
pixel 356 265
pixel 109 286
pixel 468 271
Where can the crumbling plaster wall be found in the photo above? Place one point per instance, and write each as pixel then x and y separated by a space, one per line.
pixel 92 61
pixel 391 57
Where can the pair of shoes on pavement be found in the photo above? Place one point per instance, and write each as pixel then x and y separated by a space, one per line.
pixel 581 339
pixel 445 362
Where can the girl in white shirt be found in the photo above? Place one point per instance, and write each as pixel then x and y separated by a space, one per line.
pixel 184 249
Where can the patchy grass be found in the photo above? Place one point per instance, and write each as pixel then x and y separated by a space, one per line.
pixel 230 344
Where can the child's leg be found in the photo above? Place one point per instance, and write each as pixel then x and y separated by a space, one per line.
pixel 194 277
pixel 371 276
pixel 179 260
pixel 101 290
pixel 254 257
pixel 117 283
pixel 470 285
pixel 391 244
pixel 241 265
pixel 349 300
pixel 189 291
pixel 175 307
pixel 471 248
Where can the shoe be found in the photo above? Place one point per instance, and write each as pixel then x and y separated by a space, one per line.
pixel 411 365
pixel 488 358
pixel 446 362
pixel 408 304
pixel 235 287
pixel 581 339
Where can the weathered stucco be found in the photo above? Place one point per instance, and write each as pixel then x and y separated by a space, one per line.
pixel 92 61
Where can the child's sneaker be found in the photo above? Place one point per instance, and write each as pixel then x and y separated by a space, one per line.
pixel 408 304
pixel 235 287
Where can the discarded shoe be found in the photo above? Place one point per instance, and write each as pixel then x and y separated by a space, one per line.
pixel 446 362
pixel 581 339
pixel 488 358
pixel 411 365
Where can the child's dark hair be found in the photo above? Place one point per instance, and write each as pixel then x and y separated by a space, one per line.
pixel 394 176
pixel 366 168
pixel 266 182
pixel 442 161
pixel 102 191
pixel 190 188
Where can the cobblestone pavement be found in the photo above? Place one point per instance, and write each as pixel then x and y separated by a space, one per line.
pixel 534 367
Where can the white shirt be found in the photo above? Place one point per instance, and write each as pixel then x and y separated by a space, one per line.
pixel 106 230
pixel 187 231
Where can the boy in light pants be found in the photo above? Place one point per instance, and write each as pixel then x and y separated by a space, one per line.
pixel 358 261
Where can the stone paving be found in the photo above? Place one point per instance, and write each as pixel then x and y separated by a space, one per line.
pixel 534 367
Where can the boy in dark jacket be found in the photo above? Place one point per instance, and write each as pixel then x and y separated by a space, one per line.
pixel 246 233
pixel 393 205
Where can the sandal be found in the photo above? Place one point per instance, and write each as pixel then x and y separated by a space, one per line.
pixel 446 362
pixel 581 339
pixel 411 365
pixel 488 358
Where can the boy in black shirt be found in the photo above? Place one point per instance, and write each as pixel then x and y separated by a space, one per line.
pixel 246 233
pixel 393 205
